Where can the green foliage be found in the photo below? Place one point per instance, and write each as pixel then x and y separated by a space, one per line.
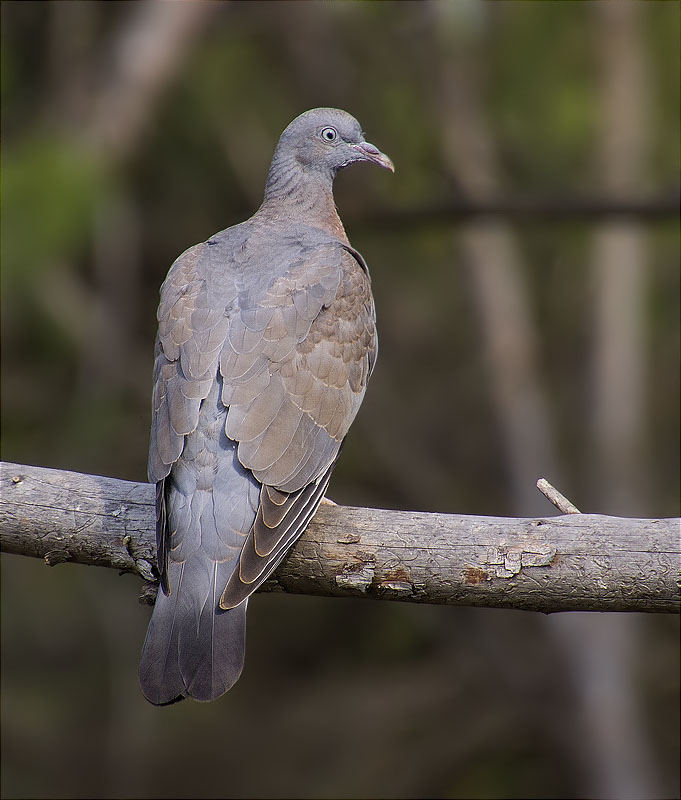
pixel 542 72
pixel 50 186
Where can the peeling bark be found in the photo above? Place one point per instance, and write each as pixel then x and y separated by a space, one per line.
pixel 575 562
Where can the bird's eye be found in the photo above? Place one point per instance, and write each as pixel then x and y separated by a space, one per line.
pixel 329 134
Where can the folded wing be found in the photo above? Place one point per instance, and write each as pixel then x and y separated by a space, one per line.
pixel 295 371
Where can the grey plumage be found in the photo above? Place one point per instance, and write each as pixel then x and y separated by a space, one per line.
pixel 266 341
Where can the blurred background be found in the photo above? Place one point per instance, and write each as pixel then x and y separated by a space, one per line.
pixel 525 263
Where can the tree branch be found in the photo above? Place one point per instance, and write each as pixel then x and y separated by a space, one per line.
pixel 576 562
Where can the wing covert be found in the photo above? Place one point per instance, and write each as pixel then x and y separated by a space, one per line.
pixel 293 360
pixel 291 412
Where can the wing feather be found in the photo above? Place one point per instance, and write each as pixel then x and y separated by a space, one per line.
pixel 323 378
pixel 292 357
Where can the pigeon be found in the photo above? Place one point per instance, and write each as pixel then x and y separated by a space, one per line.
pixel 266 341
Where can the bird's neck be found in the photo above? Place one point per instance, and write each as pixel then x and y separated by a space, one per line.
pixel 294 195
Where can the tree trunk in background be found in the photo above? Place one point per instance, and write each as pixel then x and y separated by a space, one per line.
pixel 613 750
pixel 616 752
pixel 495 269
pixel 143 56
pixel 146 54
pixel 619 264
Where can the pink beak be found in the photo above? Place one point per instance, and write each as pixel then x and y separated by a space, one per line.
pixel 371 153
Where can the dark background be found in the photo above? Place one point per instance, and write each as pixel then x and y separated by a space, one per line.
pixel 525 262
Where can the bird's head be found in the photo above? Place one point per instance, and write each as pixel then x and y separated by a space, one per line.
pixel 325 140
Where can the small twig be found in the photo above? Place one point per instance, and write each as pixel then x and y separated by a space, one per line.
pixel 559 501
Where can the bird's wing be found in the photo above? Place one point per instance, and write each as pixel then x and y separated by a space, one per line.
pixel 294 359
pixel 295 367
pixel 191 333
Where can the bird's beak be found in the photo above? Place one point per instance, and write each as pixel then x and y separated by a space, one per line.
pixel 368 152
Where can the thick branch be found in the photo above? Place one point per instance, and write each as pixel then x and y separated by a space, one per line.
pixel 579 561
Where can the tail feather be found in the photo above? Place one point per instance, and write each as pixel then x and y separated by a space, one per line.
pixel 192 648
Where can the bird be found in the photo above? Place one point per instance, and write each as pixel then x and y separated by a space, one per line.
pixel 266 341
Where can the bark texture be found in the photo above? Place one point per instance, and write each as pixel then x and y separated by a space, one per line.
pixel 582 562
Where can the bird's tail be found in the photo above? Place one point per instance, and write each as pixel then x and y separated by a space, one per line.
pixel 192 648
